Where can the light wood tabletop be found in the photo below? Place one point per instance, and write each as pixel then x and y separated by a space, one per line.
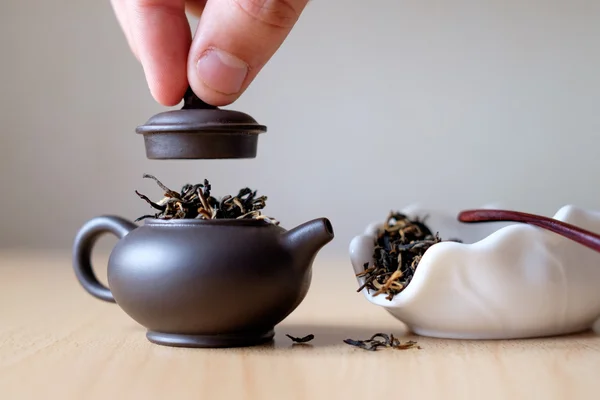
pixel 58 342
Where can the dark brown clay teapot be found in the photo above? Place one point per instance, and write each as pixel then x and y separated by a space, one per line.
pixel 203 283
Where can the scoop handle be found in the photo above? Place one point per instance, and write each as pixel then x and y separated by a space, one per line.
pixel 579 235
pixel 84 243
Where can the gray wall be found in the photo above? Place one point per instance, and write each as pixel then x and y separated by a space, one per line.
pixel 370 105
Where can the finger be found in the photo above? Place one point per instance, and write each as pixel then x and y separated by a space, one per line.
pixel 121 14
pixel 234 40
pixel 161 34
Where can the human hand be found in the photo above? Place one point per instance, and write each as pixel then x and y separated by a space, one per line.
pixel 234 40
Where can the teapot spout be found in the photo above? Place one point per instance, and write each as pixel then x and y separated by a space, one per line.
pixel 305 241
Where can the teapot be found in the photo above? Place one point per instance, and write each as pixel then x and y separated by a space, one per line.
pixel 203 283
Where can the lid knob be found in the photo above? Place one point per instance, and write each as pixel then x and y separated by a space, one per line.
pixel 200 131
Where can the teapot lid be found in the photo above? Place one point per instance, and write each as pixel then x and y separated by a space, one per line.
pixel 200 131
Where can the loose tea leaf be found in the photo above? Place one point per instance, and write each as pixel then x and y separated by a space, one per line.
pixel 399 247
pixel 385 341
pixel 304 339
pixel 196 202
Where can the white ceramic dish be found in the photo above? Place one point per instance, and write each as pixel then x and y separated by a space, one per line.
pixel 505 281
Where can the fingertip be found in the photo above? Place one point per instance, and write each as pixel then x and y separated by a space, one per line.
pixel 162 36
pixel 218 77
pixel 234 40
pixel 167 81
pixel 168 95
pixel 212 97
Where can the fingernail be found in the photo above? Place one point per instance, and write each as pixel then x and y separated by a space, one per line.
pixel 222 71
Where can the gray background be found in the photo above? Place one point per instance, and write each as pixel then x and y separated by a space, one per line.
pixel 370 105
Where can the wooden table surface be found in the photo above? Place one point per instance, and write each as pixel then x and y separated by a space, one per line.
pixel 58 342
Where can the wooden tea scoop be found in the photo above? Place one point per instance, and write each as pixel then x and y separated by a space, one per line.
pixel 200 131
pixel 581 236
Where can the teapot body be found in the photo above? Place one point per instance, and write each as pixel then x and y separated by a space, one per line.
pixel 198 277
pixel 202 283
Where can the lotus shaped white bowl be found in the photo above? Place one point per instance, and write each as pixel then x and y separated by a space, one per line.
pixel 505 281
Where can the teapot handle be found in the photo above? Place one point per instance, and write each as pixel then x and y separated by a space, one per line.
pixel 84 243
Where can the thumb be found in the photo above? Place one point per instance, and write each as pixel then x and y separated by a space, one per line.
pixel 233 41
